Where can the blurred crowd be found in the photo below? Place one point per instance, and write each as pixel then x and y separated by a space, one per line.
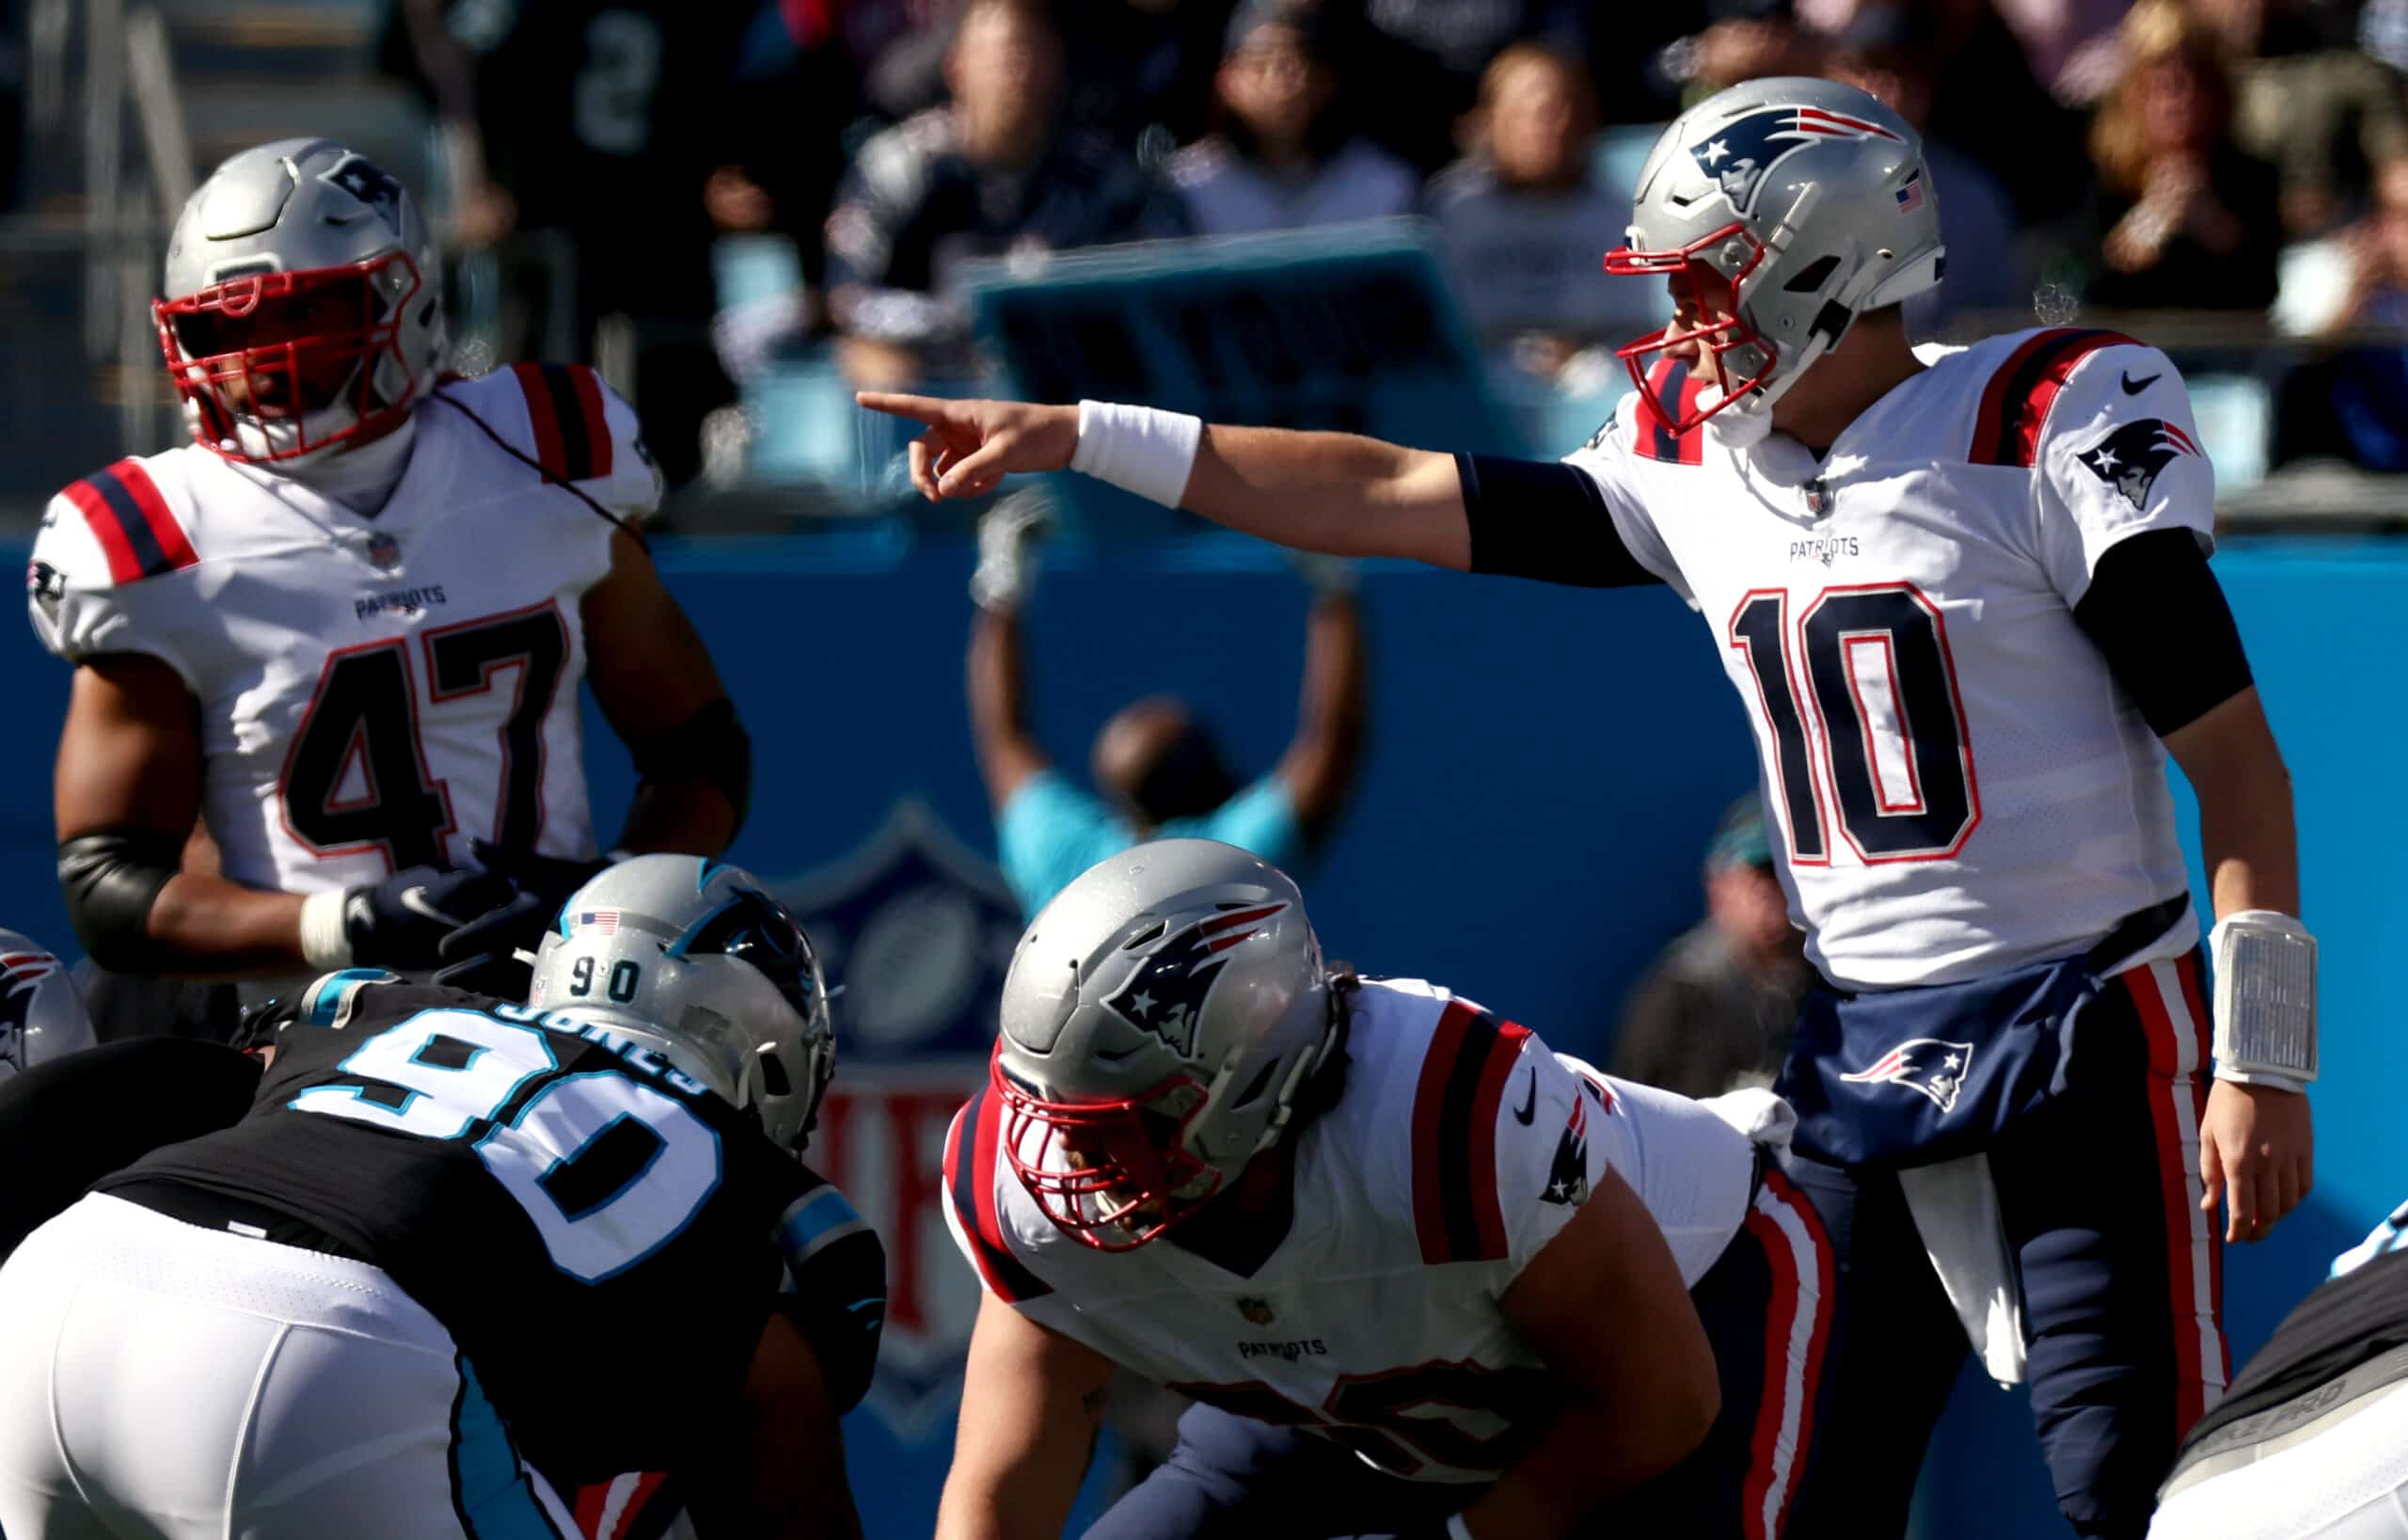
pixel 2246 158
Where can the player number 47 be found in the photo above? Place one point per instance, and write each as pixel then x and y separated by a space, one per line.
pixel 1859 696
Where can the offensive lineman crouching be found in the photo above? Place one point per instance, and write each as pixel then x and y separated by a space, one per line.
pixel 1420 1273
pixel 462 1252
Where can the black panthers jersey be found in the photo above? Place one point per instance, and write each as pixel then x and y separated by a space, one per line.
pixel 603 1237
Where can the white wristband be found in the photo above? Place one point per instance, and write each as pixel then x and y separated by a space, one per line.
pixel 1137 449
pixel 2265 1000
pixel 1457 1529
pixel 326 940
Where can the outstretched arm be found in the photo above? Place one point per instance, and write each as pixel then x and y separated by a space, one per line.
pixel 1032 1402
pixel 1319 763
pixel 1008 755
pixel 1338 493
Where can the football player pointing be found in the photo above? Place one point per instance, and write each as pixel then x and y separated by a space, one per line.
pixel 345 626
pixel 1420 1275
pixel 1968 612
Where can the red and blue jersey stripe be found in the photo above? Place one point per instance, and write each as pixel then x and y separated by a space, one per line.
pixel 970 1152
pixel 125 513
pixel 564 409
pixel 1455 1212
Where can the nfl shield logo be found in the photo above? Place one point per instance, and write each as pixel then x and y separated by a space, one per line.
pixel 1818 497
pixel 919 929
pixel 1256 1311
pixel 384 550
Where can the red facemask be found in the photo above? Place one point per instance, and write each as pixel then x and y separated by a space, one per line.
pixel 1708 290
pixel 271 349
pixel 1106 1172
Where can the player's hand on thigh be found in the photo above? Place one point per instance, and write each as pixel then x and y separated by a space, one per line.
pixel 971 445
pixel 2258 1153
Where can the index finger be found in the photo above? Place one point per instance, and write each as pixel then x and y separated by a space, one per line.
pixel 927 409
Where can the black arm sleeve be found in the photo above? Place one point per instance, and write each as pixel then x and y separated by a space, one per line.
pixel 1543 519
pixel 66 1125
pixel 111 877
pixel 2159 615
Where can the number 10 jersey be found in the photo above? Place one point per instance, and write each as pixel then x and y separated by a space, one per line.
pixel 1956 784
pixel 373 690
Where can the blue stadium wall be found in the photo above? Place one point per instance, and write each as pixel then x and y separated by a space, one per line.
pixel 1544 765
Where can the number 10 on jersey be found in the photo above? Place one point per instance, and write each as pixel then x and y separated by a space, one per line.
pixel 1857 692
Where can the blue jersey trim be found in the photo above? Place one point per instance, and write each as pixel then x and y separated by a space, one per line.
pixel 491 1490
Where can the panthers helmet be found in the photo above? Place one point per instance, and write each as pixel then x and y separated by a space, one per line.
pixel 695 961
pixel 41 1012
pixel 304 303
pixel 1797 204
pixel 1160 1018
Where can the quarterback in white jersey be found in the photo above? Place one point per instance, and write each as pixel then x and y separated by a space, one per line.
pixel 345 628
pixel 1968 609
pixel 1414 1267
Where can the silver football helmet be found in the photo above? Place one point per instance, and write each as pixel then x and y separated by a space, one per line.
pixel 1160 1018
pixel 304 302
pixel 1795 204
pixel 695 961
pixel 41 1012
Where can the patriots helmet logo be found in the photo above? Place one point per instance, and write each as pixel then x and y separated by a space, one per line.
pixel 2131 458
pixel 1740 154
pixel 1926 1066
pixel 21 975
pixel 1165 993
pixel 1567 1176
pixel 364 179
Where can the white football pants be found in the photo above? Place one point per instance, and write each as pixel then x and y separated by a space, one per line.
pixel 2348 1481
pixel 159 1381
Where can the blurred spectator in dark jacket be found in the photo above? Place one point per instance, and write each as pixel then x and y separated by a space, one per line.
pixel 993 173
pixel 1885 51
pixel 2189 220
pixel 1418 62
pixel 1715 1011
pixel 1522 229
pixel 588 129
pixel 2367 394
pixel 1284 155
pixel 2324 116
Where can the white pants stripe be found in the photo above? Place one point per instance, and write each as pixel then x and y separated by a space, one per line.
pixel 1797 1324
pixel 157 1378
pixel 2177 1051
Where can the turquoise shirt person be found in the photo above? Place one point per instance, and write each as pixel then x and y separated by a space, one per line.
pixel 1049 831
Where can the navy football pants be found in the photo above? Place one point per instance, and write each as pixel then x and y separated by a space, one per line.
pixel 2121 1278
pixel 1765 1304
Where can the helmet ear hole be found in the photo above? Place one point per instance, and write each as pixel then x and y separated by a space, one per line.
pixel 1811 279
pixel 773 1072
pixel 1254 1088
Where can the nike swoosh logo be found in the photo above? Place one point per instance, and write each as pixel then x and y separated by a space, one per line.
pixel 414 899
pixel 1530 1107
pixel 2133 386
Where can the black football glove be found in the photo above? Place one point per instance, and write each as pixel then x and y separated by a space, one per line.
pixel 481 955
pixel 400 922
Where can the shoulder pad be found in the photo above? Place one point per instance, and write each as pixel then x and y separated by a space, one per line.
pixel 2023 386
pixel 332 998
pixel 971 1150
pixel 571 427
pixel 1460 1088
pixel 136 533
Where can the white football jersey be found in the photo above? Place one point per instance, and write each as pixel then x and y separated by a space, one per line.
pixel 1459 1147
pixel 372 691
pixel 1958 784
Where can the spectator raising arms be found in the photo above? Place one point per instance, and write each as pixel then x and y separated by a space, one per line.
pixel 1283 156
pixel 1519 223
pixel 994 172
pixel 2192 222
pixel 1161 774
